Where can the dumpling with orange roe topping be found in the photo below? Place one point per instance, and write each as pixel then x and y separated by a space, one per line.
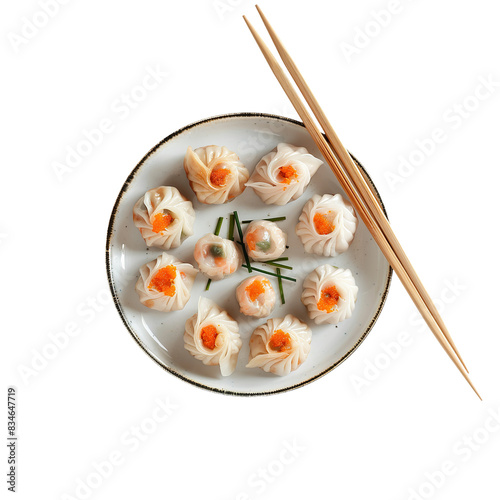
pixel 280 345
pixel 283 174
pixel 165 283
pixel 264 240
pixel 256 297
pixel 164 217
pixel 217 257
pixel 215 174
pixel 327 225
pixel 212 336
pixel 330 294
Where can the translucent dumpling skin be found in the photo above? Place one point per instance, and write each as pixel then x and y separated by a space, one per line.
pixel 165 283
pixel 215 174
pixel 280 345
pixel 283 174
pixel 329 294
pixel 256 297
pixel 212 336
pixel 327 225
pixel 164 217
pixel 264 240
pixel 217 257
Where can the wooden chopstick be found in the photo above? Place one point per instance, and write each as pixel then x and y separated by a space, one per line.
pixel 359 203
pixel 359 181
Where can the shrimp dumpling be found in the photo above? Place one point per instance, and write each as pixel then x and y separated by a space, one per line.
pixel 256 297
pixel 164 217
pixel 212 336
pixel 330 294
pixel 283 174
pixel 327 225
pixel 264 240
pixel 217 257
pixel 280 345
pixel 215 174
pixel 165 283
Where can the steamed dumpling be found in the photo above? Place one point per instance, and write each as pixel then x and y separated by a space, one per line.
pixel 256 297
pixel 217 257
pixel 212 336
pixel 330 294
pixel 280 345
pixel 327 225
pixel 165 283
pixel 164 217
pixel 264 240
pixel 283 174
pixel 215 174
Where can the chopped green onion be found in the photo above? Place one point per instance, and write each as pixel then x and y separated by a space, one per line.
pixel 264 246
pixel 219 225
pixel 217 251
pixel 280 285
pixel 272 219
pixel 230 232
pixel 268 273
pixel 240 232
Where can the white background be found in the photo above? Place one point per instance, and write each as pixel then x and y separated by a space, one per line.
pixel 376 427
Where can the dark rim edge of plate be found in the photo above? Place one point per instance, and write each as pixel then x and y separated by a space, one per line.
pixel 117 302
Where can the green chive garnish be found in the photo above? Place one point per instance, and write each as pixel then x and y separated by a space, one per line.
pixel 230 232
pixel 268 273
pixel 272 219
pixel 240 232
pixel 219 225
pixel 208 284
pixel 275 264
pixel 281 259
pixel 280 285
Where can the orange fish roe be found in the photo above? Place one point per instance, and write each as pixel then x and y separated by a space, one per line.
pixel 329 299
pixel 287 174
pixel 251 240
pixel 280 341
pixel 256 288
pixel 161 222
pixel 322 224
pixel 163 281
pixel 219 177
pixel 208 335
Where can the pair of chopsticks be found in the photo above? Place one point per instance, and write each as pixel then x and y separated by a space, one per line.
pixel 360 194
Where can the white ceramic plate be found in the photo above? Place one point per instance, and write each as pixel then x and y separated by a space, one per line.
pixel 251 136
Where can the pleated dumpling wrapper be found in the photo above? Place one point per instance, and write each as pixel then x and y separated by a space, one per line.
pixel 327 225
pixel 280 345
pixel 256 297
pixel 217 257
pixel 283 174
pixel 215 174
pixel 212 336
pixel 165 283
pixel 330 294
pixel 264 240
pixel 164 217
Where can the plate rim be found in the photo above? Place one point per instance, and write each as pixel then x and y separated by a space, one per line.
pixel 118 306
